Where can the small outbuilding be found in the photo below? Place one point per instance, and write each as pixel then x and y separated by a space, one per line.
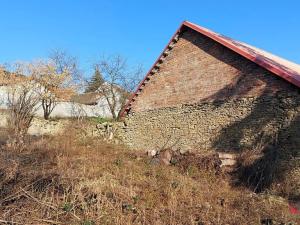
pixel 207 92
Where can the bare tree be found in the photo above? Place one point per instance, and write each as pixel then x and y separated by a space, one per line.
pixel 63 61
pixel 120 81
pixel 22 103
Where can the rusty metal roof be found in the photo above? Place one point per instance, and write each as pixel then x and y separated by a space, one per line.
pixel 283 68
pixel 279 66
pixel 90 98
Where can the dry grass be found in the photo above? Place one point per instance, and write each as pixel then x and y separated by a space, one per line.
pixel 71 180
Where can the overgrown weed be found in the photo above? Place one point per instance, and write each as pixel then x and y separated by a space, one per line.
pixel 61 180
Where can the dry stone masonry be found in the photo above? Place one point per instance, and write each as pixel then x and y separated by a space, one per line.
pixel 237 125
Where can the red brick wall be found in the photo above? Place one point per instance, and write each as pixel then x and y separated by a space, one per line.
pixel 198 70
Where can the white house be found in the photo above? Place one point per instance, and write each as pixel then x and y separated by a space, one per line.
pixel 86 105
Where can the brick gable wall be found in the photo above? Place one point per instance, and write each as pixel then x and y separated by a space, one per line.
pixel 198 69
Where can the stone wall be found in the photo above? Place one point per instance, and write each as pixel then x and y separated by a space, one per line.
pixel 39 126
pixel 106 130
pixel 234 125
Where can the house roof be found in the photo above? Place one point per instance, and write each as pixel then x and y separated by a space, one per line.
pixel 7 78
pixel 283 68
pixel 90 98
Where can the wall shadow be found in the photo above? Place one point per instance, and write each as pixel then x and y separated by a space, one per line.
pixel 269 133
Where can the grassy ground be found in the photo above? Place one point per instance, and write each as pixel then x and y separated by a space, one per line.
pixel 79 180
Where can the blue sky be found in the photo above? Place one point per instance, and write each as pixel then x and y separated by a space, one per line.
pixel 140 29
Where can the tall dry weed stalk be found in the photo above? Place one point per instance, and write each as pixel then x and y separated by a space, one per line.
pixel 22 102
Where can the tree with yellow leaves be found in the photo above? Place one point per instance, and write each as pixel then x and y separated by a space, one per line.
pixel 58 78
pixel 54 85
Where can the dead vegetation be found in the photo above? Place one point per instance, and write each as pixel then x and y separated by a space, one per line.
pixel 72 180
pixel 22 105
